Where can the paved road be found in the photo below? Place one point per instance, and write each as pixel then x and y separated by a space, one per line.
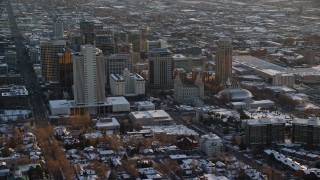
pixel 28 76
pixel 26 70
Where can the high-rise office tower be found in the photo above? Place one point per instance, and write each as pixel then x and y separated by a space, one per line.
pixel 116 63
pixel 105 42
pixel 49 59
pixel 223 69
pixel 89 77
pixel 58 30
pixel 65 70
pixel 160 68
pixel 87 32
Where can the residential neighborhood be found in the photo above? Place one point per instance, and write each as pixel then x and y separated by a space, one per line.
pixel 149 89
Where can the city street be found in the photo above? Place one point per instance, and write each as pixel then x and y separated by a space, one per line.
pixel 29 79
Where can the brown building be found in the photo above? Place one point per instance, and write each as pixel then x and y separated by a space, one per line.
pixel 306 132
pixel 187 142
pixel 49 60
pixel 65 70
pixel 264 132
pixel 223 67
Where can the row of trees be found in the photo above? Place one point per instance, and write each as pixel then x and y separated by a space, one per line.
pixel 57 163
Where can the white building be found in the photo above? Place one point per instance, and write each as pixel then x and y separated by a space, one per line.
pixel 107 124
pixel 110 105
pixel 116 63
pixel 150 118
pixel 285 79
pixel 189 93
pixel 89 77
pixel 119 104
pixel 211 144
pixel 59 107
pixel 145 106
pixel 127 84
pixel 252 104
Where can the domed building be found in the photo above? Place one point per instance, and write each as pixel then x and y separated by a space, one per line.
pixel 234 95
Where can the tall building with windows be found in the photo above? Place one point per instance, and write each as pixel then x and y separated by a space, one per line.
pixel 58 30
pixel 116 63
pixel 160 68
pixel 211 144
pixel 127 84
pixel 89 77
pixel 306 132
pixel 87 32
pixel 223 69
pixel 49 59
pixel 105 42
pixel 65 69
pixel 264 132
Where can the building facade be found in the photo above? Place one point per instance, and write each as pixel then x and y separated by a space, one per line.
pixel 188 93
pixel 286 79
pixel 160 69
pixel 144 106
pixel 116 63
pixel 87 32
pixel 223 69
pixel 127 84
pixel 58 30
pixel 89 77
pixel 150 118
pixel 306 132
pixel 3 68
pixel 65 69
pixel 187 63
pixel 211 144
pixel 264 132
pixel 156 44
pixel 310 57
pixel 10 57
pixel 49 59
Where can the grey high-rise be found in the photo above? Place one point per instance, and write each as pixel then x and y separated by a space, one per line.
pixel 160 68
pixel 87 32
pixel 89 77
pixel 223 69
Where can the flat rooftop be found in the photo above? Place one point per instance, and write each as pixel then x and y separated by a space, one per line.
pixel 59 104
pixel 151 114
pixel 173 129
pixel 265 121
pixel 117 100
pixel 256 63
pixel 144 103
